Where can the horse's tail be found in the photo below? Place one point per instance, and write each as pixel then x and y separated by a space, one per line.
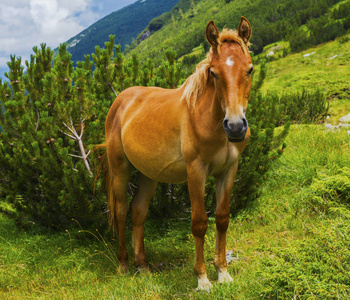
pixel 111 201
pixel 104 170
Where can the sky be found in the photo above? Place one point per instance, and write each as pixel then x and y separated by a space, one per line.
pixel 28 23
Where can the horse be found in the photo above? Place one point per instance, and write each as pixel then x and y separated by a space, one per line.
pixel 177 135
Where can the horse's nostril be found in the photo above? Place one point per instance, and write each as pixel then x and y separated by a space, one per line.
pixel 245 123
pixel 225 123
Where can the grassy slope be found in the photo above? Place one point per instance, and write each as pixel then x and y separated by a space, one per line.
pixel 283 246
pixel 295 72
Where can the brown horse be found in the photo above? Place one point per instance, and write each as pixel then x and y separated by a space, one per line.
pixel 189 133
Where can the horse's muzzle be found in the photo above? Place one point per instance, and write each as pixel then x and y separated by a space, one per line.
pixel 235 131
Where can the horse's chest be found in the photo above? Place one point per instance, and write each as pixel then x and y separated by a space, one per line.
pixel 223 159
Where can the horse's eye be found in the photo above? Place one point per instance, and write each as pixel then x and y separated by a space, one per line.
pixel 251 70
pixel 212 73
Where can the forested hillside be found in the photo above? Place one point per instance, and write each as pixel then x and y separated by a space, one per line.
pixel 302 23
pixel 125 24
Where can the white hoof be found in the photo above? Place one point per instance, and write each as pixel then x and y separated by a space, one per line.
pixel 204 284
pixel 224 277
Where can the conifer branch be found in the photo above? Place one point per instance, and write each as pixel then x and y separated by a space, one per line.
pixel 73 155
pixel 66 134
pixel 38 118
pixel 115 93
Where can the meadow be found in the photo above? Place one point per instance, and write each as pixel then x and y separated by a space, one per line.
pixel 292 243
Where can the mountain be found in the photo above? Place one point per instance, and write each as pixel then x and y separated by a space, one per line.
pixel 125 24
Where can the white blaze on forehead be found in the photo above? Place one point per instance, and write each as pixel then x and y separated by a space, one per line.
pixel 230 61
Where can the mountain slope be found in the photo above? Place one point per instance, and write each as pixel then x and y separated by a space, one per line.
pixel 125 23
pixel 271 21
pixel 324 67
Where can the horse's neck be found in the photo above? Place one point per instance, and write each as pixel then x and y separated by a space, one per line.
pixel 206 116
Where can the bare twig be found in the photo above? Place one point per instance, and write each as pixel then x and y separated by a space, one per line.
pixel 115 93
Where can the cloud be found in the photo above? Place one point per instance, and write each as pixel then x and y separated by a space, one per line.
pixel 25 24
pixel 28 23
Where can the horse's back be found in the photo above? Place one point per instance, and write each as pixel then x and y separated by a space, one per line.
pixel 145 124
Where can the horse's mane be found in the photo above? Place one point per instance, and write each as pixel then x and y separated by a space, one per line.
pixel 196 83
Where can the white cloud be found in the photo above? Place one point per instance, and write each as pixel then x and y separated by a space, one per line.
pixel 28 23
pixel 25 24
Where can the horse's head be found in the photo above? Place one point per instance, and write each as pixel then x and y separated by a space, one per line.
pixel 231 68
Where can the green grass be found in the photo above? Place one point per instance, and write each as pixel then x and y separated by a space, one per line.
pixel 287 244
pixel 317 71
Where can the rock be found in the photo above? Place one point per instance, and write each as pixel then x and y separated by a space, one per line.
pixel 230 257
pixel 344 122
pixel 330 126
pixel 271 53
pixel 345 119
pixel 276 48
pixel 308 54
pixel 145 35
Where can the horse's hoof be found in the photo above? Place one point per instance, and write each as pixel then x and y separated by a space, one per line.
pixel 224 277
pixel 123 268
pixel 204 285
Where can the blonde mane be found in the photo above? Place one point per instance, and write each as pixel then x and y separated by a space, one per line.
pixel 196 83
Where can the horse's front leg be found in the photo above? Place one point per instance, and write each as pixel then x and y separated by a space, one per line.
pixel 196 176
pixel 224 183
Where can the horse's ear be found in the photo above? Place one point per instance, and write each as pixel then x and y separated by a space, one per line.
pixel 244 30
pixel 212 34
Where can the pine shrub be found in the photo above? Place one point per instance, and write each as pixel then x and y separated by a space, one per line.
pixel 52 115
pixel 304 107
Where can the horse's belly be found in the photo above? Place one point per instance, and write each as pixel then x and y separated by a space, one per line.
pixel 161 169
pixel 173 172
pixel 157 159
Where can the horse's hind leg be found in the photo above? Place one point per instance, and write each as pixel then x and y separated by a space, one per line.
pixel 118 206
pixel 140 203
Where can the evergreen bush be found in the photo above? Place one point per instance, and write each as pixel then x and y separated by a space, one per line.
pixel 322 30
pixel 304 107
pixel 52 115
pixel 298 40
pixel 343 11
pixel 45 170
